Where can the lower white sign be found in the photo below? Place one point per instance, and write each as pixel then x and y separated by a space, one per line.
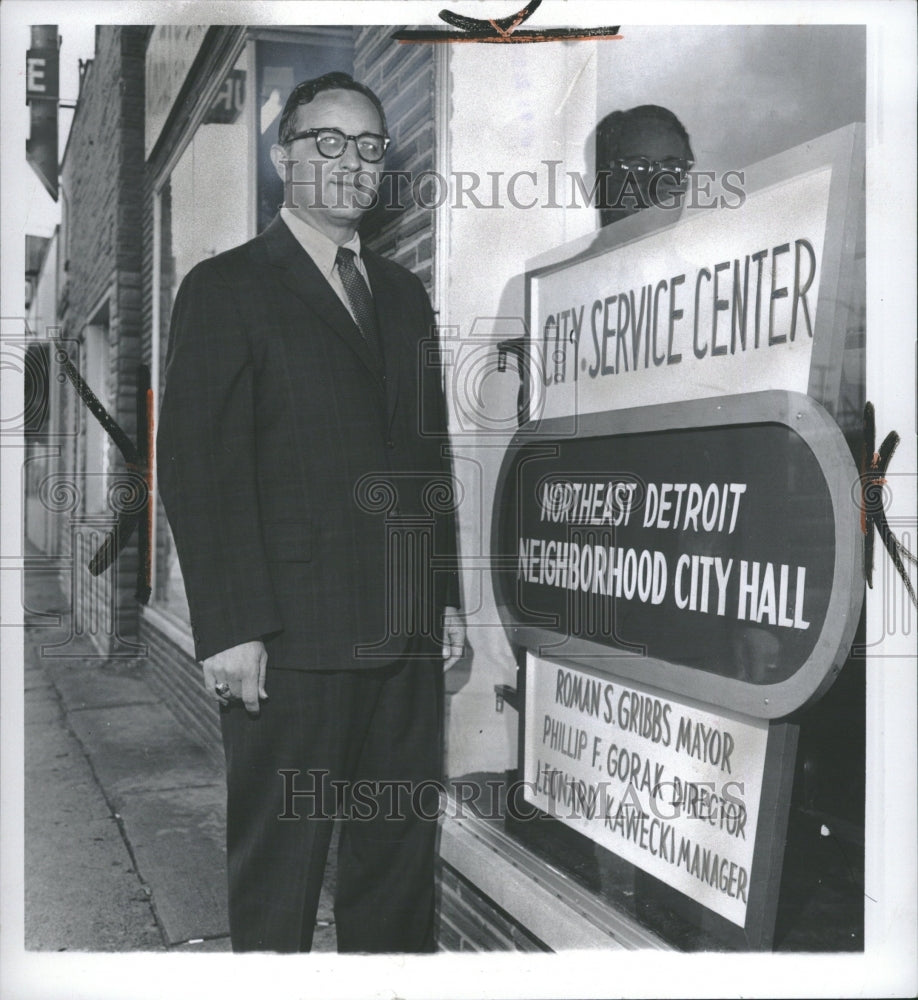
pixel 669 786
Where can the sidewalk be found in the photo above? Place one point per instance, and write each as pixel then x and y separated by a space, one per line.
pixel 124 812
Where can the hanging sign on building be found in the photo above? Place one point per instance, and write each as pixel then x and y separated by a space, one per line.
pixel 42 64
pixel 42 95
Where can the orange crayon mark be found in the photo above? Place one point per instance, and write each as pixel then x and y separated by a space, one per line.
pixel 519 37
pixel 151 439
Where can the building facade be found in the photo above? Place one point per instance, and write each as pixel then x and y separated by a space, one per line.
pixel 82 480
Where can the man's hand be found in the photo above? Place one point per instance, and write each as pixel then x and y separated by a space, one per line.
pixel 243 668
pixel 453 637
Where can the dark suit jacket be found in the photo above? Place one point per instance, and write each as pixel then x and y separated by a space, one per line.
pixel 274 416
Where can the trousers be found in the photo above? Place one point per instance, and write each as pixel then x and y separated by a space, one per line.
pixel 363 746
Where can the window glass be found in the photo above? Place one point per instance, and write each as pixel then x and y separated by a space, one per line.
pixel 203 211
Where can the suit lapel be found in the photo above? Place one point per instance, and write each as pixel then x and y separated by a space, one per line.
pixel 300 276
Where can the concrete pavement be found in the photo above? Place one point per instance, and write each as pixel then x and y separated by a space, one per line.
pixel 124 811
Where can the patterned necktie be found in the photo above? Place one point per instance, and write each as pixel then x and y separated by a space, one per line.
pixel 358 294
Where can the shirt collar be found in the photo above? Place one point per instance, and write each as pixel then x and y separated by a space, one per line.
pixel 322 249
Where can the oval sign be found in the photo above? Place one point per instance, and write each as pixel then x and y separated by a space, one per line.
pixel 708 548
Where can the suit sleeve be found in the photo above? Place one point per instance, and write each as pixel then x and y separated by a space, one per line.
pixel 448 588
pixel 207 467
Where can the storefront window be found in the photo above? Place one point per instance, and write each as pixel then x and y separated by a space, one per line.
pixel 541 727
pixel 203 211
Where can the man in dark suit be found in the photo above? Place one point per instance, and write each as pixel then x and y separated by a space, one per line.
pixel 300 460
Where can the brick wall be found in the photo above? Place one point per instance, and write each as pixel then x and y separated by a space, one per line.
pixel 176 678
pixel 404 78
pixel 469 921
pixel 103 179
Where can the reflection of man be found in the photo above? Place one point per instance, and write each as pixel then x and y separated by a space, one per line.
pixel 642 158
pixel 293 373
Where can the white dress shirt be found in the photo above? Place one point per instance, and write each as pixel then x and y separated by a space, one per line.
pixel 323 252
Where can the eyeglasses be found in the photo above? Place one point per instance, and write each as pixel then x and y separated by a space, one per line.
pixel 640 166
pixel 332 142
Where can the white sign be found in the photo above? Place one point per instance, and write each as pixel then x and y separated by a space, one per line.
pixel 36 85
pixel 723 302
pixel 171 51
pixel 667 785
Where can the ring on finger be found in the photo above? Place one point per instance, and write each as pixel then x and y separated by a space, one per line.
pixel 222 689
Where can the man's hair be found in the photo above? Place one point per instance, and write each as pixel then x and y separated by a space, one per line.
pixel 308 90
pixel 610 128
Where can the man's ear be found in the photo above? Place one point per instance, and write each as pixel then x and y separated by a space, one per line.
pixel 278 155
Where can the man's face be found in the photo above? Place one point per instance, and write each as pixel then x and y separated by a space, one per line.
pixel 331 194
pixel 635 173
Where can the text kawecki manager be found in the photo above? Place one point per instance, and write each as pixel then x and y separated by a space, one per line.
pixel 297 394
